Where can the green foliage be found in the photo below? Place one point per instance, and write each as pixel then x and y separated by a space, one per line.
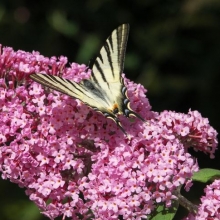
pixel 206 175
pixel 164 213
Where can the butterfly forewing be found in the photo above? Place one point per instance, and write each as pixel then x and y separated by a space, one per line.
pixel 109 65
pixel 80 91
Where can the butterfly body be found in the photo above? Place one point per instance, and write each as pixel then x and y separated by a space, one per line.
pixel 104 91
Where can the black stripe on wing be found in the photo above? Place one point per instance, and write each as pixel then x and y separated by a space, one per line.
pixel 111 57
pixel 56 83
pixel 98 66
pixel 122 37
pixel 85 88
pixel 92 89
pixel 109 53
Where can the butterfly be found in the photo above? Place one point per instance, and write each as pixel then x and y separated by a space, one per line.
pixel 105 90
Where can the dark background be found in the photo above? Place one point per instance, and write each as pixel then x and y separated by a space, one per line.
pixel 173 50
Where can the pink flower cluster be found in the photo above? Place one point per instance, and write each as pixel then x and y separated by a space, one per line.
pixel 210 206
pixel 75 162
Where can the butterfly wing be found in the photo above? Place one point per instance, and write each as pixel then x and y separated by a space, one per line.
pixel 86 90
pixel 107 70
pixel 108 67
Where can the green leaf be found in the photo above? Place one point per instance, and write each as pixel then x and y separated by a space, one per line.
pixel 205 175
pixel 163 213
